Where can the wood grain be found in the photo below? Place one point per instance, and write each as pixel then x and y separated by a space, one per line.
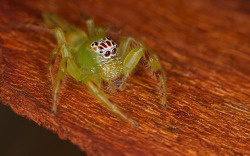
pixel 204 47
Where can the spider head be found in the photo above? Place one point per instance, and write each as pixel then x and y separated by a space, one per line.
pixel 105 46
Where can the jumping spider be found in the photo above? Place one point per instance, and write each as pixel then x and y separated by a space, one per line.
pixel 95 58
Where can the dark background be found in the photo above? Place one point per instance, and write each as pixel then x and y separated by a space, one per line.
pixel 22 137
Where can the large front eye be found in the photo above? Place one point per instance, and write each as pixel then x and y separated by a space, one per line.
pixel 107 54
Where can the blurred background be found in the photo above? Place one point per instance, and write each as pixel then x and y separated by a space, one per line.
pixel 22 137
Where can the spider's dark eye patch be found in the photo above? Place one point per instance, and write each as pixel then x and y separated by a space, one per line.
pixel 95 43
pixel 101 51
pixel 104 45
pixel 92 45
pixel 108 38
pixel 100 47
pixel 108 43
pixel 107 54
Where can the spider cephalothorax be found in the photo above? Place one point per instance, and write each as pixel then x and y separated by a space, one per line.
pixel 95 58
pixel 105 46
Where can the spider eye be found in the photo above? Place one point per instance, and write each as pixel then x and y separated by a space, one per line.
pixel 113 51
pixel 107 54
pixel 94 44
pixel 108 38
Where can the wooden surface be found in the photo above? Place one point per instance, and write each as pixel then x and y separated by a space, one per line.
pixel 204 47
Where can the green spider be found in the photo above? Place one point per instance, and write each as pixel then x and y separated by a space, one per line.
pixel 95 58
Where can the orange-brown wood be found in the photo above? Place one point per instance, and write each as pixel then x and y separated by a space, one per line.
pixel 204 47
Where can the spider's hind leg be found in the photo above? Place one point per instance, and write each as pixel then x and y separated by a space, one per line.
pixel 99 31
pixel 90 25
pixel 73 35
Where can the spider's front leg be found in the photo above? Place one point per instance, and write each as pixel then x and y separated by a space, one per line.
pixel 93 87
pixel 102 97
pixel 131 58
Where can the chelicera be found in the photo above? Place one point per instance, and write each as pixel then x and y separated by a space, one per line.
pixel 95 58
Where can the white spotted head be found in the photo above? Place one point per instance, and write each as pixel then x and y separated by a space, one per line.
pixel 105 46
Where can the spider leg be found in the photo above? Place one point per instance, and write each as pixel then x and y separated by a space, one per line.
pixel 95 90
pixel 58 81
pixel 100 31
pixel 155 66
pixel 73 35
pixel 95 31
pixel 104 31
pixel 90 25
pixel 130 62
pixel 124 48
pixel 66 64
pixel 53 56
pixel 113 30
pixel 133 57
pixel 102 97
pixel 52 21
